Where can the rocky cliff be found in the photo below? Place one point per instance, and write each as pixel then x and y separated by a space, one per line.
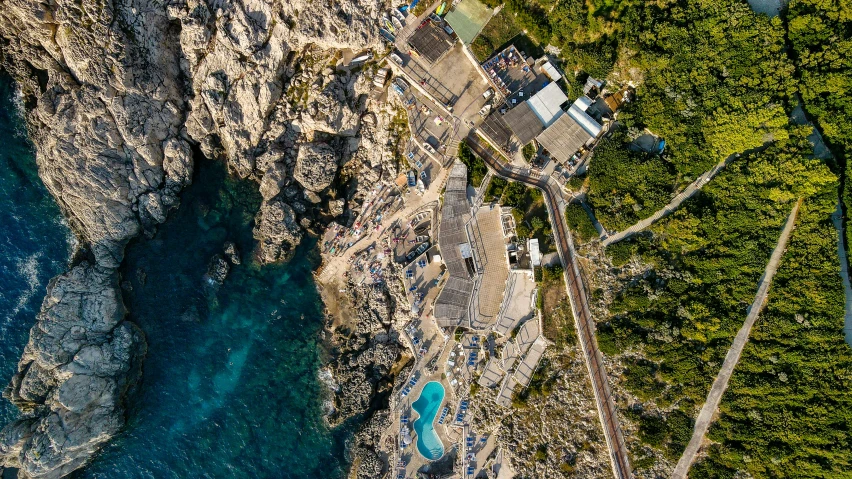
pixel 118 95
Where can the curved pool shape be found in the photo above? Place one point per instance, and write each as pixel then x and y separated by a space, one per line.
pixel 428 443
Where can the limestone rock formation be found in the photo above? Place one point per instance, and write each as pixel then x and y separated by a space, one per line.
pixel 81 358
pixel 118 97
pixel 277 231
pixel 316 166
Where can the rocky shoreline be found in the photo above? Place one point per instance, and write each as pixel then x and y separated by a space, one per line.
pixel 117 98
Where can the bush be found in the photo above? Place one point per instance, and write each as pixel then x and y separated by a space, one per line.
pixel 529 152
pixel 476 168
pixel 579 222
pixel 495 188
pixel 620 253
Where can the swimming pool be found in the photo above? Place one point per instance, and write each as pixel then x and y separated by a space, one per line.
pixel 428 443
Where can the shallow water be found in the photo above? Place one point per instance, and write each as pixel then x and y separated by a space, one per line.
pixel 230 385
pixel 35 242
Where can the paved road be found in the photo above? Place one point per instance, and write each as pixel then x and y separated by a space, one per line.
pixel 705 417
pixel 673 205
pixel 577 294
pixel 837 219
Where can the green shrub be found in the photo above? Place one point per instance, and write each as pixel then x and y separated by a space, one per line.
pixel 579 222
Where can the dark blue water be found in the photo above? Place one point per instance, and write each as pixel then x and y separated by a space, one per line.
pixel 35 243
pixel 230 385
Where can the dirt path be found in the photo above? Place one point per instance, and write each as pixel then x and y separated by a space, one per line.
pixel 705 417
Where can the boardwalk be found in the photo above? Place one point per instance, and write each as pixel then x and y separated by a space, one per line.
pixel 705 417
pixel 579 302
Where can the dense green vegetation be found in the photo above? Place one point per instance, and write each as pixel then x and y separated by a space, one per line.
pixel 716 80
pixel 476 169
pixel 820 34
pixel 788 406
pixel 530 213
pixel 579 222
pixel 706 260
pixel 495 189
pixel 627 186
pixel 499 31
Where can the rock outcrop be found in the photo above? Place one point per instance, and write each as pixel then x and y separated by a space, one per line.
pixel 81 358
pixel 117 96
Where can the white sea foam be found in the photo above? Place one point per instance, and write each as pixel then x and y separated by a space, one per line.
pixel 28 269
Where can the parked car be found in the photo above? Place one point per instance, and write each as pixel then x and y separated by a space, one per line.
pixel 448 29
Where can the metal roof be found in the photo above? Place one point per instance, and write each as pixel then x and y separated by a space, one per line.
pixel 551 71
pixel 451 304
pixel 523 121
pixel 546 103
pixel 587 122
pixel 564 137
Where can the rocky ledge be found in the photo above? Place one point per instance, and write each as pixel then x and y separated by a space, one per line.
pixel 118 97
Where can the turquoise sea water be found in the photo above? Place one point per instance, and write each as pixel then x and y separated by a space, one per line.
pixel 428 443
pixel 230 386
pixel 35 243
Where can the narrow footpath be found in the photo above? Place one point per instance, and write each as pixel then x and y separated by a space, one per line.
pixel 837 219
pixel 705 417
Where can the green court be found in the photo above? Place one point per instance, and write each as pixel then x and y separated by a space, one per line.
pixel 468 18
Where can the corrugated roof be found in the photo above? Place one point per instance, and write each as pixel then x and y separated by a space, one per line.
pixel 452 301
pixel 588 123
pixel 583 103
pixel 563 138
pixel 523 121
pixel 545 104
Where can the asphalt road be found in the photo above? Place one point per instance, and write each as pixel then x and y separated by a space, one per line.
pixel 579 301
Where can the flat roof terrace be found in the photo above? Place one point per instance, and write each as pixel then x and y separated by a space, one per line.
pixel 451 306
pixel 430 41
pixel 489 298
pixel 509 71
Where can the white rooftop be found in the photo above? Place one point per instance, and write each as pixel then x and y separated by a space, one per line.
pixel 545 104
pixel 551 71
pixel 535 253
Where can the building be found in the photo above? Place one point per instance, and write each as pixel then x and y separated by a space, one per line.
pixel 547 69
pixel 431 41
pixel 570 132
pixel 528 119
pixel 547 103
pixel 535 252
pixel 451 305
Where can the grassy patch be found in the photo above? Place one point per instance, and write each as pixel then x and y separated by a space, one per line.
pixel 580 223
pixel 499 30
pixel 476 168
pixel 495 188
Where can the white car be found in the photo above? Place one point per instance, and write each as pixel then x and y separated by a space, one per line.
pixel 397 59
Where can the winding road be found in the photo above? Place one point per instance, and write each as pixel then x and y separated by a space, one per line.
pixel 577 295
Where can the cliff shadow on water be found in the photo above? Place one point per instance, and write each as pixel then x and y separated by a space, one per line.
pixel 35 241
pixel 230 385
